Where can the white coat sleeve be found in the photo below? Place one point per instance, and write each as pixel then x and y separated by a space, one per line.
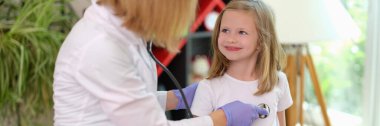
pixel 200 121
pixel 108 72
pixel 162 96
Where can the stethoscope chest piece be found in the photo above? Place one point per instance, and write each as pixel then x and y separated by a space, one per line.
pixel 266 107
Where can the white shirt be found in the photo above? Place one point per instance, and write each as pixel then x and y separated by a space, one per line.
pixel 214 93
pixel 105 77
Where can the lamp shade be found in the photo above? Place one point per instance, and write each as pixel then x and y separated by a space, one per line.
pixel 302 21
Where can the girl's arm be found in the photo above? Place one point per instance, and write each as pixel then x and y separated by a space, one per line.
pixel 281 118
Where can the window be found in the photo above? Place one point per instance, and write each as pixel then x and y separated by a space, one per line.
pixel 340 68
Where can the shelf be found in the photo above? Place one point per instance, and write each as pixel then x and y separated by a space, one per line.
pixel 205 7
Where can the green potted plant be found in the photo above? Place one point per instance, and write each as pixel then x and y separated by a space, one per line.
pixel 31 32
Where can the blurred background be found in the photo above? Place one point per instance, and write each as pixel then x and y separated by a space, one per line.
pixel 332 48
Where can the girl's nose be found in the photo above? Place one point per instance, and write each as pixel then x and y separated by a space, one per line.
pixel 231 38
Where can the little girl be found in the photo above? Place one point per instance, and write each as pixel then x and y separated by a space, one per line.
pixel 246 64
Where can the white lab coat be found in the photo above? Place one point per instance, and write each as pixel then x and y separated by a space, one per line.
pixel 105 77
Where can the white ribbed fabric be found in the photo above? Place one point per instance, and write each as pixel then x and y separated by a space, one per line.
pixel 372 69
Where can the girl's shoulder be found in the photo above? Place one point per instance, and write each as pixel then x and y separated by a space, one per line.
pixel 281 75
pixel 212 82
pixel 282 79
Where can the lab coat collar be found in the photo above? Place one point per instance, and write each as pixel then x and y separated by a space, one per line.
pixel 105 17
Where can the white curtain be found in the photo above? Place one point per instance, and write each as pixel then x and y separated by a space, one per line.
pixel 371 88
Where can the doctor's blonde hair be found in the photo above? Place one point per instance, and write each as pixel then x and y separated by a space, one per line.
pixel 271 58
pixel 164 22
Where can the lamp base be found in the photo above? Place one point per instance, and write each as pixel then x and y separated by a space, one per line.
pixel 297 60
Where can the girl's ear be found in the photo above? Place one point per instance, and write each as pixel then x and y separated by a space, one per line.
pixel 259 46
pixel 258 49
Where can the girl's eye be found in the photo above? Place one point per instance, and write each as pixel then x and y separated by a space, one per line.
pixel 243 33
pixel 224 30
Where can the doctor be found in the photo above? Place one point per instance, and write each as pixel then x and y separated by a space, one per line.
pixel 105 77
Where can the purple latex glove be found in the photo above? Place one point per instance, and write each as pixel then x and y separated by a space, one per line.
pixel 189 92
pixel 241 114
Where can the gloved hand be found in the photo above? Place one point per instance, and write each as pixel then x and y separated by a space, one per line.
pixel 189 92
pixel 241 114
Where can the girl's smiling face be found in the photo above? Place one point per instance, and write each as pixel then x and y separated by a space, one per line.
pixel 238 37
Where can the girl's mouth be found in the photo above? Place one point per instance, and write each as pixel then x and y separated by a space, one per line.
pixel 231 48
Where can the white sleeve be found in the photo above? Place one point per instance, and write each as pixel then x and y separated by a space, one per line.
pixel 199 121
pixel 111 76
pixel 162 96
pixel 286 98
pixel 202 102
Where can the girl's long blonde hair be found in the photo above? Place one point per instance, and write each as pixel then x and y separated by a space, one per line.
pixel 271 58
pixel 163 21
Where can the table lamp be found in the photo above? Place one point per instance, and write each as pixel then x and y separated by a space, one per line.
pixel 299 22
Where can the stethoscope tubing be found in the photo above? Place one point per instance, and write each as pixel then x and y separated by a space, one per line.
pixel 171 76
